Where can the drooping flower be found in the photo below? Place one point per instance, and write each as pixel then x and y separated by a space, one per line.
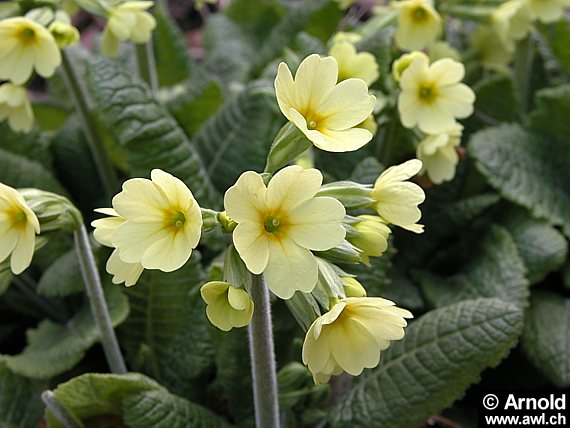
pixel 280 224
pixel 511 21
pixel 325 112
pixel 491 54
pixel 432 97
pixel 15 106
pixel 129 273
pixel 228 306
pixel 162 222
pixel 351 336
pixel 18 228
pixel 25 46
pixel 64 34
pixel 438 154
pixel 547 11
pixel 419 24
pixel 127 21
pixel 353 64
pixel 396 199
pixel 373 239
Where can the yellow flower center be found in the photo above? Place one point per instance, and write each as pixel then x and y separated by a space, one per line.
pixel 26 35
pixel 427 94
pixel 175 220
pixel 419 14
pixel 18 217
pixel 272 224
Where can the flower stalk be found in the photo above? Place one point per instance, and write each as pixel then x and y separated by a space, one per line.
pixel 524 58
pixel 147 65
pixel 99 307
pixel 64 416
pixel 262 356
pixel 78 95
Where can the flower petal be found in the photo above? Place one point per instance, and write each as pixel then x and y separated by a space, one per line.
pixel 315 79
pixel 252 245
pixel 23 251
pixel 245 200
pixel 291 186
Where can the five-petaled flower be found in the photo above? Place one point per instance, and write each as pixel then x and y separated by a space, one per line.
pixel 325 112
pixel 15 106
pixel 280 224
pixel 432 97
pixel 419 24
pixel 228 306
pixel 25 46
pixel 397 200
pixel 18 228
pixel 158 223
pixel 351 336
pixel 127 21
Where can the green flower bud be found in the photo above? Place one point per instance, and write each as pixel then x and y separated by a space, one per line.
pixel 345 252
pixel 289 143
pixel 209 220
pixel 351 195
pixel 403 62
pixel 54 212
pixel 373 237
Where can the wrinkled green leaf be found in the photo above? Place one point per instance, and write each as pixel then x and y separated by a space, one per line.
pixel 526 169
pixel 546 337
pixel 542 247
pixel 494 269
pixel 145 130
pixel 442 353
pixel 551 115
pixel 20 403
pixel 166 335
pixel 55 348
pixel 63 277
pixel 238 136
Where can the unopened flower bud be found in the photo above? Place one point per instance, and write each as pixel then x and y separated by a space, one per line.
pixel 54 212
pixel 351 195
pixel 373 239
pixel 353 288
pixel 227 223
pixel 403 62
pixel 64 34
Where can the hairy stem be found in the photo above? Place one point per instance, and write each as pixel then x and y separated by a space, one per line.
pixel 98 304
pixel 79 98
pixel 64 416
pixel 524 58
pixel 263 357
pixel 147 65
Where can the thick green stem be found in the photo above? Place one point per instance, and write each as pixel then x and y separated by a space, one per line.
pixel 78 95
pixel 98 304
pixel 147 65
pixel 263 357
pixel 523 69
pixel 29 291
pixel 64 416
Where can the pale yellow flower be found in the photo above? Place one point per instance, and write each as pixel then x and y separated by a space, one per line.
pixel 442 49
pixel 129 273
pixel 353 288
pixel 228 306
pixel 25 46
pixel 432 96
pixel 351 336
pixel 404 62
pixel 15 106
pixel 438 154
pixel 547 11
pixel 419 24
pixel 280 224
pixel 349 37
pixel 397 200
pixel 493 55
pixel 360 65
pixel 325 112
pixel 128 21
pixel 18 228
pixel 162 222
pixel 373 239
pixel 511 21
